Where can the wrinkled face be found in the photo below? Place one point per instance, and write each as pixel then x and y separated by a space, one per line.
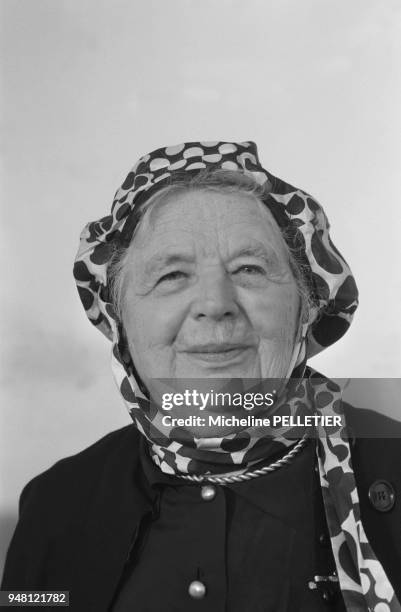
pixel 208 290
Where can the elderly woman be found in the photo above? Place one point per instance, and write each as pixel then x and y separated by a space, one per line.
pixel 209 268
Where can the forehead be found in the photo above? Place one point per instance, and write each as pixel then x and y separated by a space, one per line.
pixel 206 216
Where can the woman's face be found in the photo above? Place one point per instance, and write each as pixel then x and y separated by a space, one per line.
pixel 208 290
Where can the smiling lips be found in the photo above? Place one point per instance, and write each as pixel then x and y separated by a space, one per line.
pixel 222 352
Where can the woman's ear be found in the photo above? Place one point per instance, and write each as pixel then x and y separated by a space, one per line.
pixel 123 347
pixel 129 365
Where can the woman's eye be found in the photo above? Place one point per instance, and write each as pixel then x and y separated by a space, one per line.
pixel 171 276
pixel 250 269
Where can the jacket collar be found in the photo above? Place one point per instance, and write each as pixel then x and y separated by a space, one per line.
pixel 269 493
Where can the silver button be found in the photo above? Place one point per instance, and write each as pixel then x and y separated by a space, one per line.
pixel 197 589
pixel 208 493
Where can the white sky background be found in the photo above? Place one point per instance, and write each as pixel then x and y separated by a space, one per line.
pixel 91 85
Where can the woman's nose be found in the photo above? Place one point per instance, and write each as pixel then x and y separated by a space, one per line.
pixel 215 296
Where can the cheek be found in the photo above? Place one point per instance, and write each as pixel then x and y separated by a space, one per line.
pixel 150 324
pixel 275 312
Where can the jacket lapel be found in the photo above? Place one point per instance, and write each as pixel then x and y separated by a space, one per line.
pixel 109 530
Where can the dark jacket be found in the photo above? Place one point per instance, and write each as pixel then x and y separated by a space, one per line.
pixel 87 508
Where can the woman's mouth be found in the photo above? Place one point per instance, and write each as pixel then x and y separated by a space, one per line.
pixel 220 354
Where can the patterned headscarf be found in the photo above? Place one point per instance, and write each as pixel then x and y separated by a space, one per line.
pixel 176 451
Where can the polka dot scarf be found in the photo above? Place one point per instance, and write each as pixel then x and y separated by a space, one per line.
pixel 363 581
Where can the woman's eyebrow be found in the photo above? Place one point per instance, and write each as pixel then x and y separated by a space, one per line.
pixel 162 260
pixel 254 251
